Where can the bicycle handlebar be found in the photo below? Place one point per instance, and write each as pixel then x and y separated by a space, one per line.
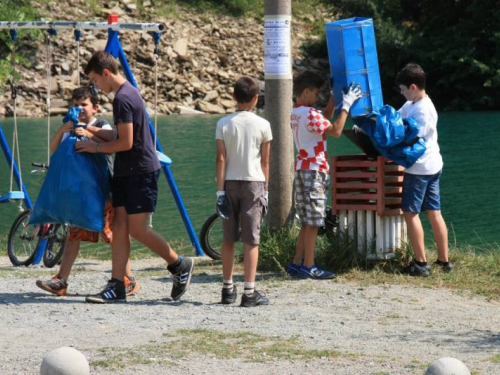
pixel 40 165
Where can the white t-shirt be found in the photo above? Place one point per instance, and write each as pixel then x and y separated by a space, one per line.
pixel 308 128
pixel 426 116
pixel 243 134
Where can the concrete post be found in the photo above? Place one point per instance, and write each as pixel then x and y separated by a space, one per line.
pixel 278 106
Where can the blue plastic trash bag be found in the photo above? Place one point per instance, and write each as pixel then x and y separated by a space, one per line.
pixel 72 115
pixel 392 136
pixel 75 189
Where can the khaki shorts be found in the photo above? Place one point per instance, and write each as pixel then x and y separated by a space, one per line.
pixel 79 234
pixel 247 201
pixel 310 196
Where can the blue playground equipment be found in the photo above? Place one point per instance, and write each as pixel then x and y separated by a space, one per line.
pixel 114 48
pixel 352 51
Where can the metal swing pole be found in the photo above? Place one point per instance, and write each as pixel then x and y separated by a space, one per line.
pixel 115 49
pixel 8 152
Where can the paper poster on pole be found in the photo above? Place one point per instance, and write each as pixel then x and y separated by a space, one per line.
pixel 277 47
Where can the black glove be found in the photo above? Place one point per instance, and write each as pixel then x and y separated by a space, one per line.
pixel 223 205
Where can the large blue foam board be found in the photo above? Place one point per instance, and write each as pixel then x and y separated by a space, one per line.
pixel 352 52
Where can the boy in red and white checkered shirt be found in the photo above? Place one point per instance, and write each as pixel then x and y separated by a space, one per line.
pixel 310 127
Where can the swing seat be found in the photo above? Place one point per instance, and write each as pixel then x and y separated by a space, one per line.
pixel 12 196
pixel 164 159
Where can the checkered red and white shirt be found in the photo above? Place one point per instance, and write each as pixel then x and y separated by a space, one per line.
pixel 308 127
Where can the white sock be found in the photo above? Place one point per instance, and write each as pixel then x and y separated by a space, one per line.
pixel 249 288
pixel 227 284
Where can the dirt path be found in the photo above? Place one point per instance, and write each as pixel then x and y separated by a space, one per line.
pixel 310 327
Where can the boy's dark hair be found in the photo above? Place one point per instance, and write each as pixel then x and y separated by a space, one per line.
pixel 245 89
pixel 100 61
pixel 84 93
pixel 411 74
pixel 307 80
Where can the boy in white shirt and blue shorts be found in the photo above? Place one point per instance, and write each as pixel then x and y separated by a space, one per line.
pixel 421 180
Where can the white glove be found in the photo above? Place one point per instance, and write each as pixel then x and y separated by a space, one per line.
pixel 353 94
pixel 220 192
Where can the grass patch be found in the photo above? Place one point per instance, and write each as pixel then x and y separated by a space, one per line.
pixel 476 270
pixel 186 343
pixel 495 358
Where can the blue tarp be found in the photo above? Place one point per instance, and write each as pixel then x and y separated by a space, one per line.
pixel 392 136
pixel 75 189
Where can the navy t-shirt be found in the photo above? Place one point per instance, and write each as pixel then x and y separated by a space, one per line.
pixel 128 107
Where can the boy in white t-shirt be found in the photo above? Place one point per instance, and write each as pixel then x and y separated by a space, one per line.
pixel 310 127
pixel 421 180
pixel 243 149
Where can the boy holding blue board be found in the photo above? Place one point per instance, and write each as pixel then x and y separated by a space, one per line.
pixel 135 181
pixel 310 127
pixel 421 180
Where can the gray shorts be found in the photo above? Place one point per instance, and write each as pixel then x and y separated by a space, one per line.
pixel 310 196
pixel 247 201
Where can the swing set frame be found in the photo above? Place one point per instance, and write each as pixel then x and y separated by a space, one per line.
pixel 114 48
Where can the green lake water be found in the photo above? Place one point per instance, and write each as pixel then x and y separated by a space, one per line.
pixel 470 183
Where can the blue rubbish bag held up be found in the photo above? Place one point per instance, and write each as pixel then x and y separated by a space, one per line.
pixel 75 189
pixel 392 136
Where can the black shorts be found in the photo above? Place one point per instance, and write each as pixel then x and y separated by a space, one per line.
pixel 137 193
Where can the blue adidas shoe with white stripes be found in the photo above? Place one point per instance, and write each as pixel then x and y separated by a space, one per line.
pixel 114 292
pixel 315 273
pixel 181 277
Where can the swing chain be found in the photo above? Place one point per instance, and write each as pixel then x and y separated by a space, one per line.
pixel 13 87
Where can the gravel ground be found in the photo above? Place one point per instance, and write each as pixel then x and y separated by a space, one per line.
pixel 332 327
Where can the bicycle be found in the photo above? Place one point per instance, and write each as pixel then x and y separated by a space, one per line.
pixel 27 243
pixel 211 232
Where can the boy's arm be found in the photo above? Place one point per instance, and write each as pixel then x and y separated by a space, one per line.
pixel 265 153
pixel 56 139
pixel 220 162
pixel 335 128
pixel 124 142
pixel 330 107
pixel 353 94
pixel 105 135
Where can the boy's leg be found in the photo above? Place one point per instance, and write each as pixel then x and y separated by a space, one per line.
pixel 251 259
pixel 310 236
pixel 227 260
pixel 71 250
pixel 416 234
pixel 440 233
pixel 58 285
pixel 142 232
pixel 299 249
pixel 121 243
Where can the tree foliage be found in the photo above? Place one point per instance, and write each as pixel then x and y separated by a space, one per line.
pixel 14 10
pixel 457 42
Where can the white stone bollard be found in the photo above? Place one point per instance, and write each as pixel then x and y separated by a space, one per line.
pixel 64 361
pixel 447 366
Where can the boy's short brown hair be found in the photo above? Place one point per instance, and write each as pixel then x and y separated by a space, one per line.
pixel 245 89
pixel 307 80
pixel 411 74
pixel 84 93
pixel 99 61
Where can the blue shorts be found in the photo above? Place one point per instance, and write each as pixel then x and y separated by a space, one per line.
pixel 421 193
pixel 137 193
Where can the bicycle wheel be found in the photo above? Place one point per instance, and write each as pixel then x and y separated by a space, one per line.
pixel 211 237
pixel 22 241
pixel 56 240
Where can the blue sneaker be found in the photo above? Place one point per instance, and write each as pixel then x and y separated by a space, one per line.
pixel 293 270
pixel 316 273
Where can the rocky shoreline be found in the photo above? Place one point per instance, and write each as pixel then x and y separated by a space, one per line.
pixel 201 57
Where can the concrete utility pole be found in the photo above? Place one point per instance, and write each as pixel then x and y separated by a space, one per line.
pixel 278 106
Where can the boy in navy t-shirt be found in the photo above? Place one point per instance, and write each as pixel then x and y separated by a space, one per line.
pixel 135 181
